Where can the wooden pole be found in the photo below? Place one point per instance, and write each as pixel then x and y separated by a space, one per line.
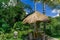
pixel 43 36
pixel 34 31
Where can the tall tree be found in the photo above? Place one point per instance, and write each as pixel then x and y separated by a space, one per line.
pixel 12 14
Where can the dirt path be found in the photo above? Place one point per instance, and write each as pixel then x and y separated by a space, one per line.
pixel 53 38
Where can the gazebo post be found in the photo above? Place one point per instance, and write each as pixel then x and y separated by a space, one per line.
pixel 44 37
pixel 38 30
pixel 34 31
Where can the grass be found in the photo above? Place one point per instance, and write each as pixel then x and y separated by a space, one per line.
pixel 11 39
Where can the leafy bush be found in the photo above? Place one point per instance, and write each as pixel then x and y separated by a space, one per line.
pixel 22 29
pixel 20 26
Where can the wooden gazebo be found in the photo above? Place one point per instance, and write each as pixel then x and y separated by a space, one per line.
pixel 35 18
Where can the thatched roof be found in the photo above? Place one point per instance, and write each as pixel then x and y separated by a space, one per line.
pixel 36 16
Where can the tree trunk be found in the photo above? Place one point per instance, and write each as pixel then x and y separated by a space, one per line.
pixel 43 7
pixel 34 6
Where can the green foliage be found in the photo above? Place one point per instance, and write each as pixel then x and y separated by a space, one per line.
pixel 4 1
pixel 20 26
pixel 11 20
pixel 12 14
pixel 53 28
pixel 6 28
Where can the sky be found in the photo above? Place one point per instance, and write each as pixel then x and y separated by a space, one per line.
pixel 39 7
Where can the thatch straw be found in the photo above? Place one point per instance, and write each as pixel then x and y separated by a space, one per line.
pixel 36 16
